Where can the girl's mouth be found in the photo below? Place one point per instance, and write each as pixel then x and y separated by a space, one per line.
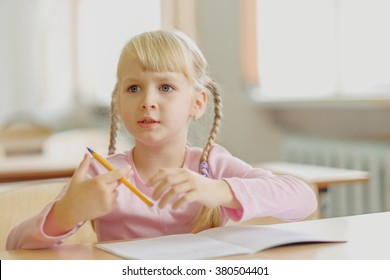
pixel 148 122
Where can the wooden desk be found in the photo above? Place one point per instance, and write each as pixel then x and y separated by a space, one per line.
pixel 367 237
pixel 322 176
pixel 24 168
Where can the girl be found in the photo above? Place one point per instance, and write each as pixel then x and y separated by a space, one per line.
pixel 162 85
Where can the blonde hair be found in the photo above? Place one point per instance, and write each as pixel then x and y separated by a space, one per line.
pixel 172 51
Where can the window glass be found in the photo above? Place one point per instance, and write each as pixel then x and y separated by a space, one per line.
pixel 102 30
pixel 316 49
pixel 57 53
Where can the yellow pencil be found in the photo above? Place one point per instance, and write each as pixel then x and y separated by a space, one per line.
pixel 107 165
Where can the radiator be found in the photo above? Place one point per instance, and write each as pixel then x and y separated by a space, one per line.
pixel 346 199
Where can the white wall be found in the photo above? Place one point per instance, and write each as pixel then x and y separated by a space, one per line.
pixel 246 131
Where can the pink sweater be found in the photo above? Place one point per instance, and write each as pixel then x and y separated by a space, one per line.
pixel 260 193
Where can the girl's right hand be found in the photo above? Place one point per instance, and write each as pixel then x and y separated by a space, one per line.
pixel 85 199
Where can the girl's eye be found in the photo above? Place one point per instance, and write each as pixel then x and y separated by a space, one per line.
pixel 166 88
pixel 134 88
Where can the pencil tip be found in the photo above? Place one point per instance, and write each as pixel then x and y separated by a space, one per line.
pixel 89 150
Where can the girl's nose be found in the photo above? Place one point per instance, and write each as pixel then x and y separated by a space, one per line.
pixel 152 106
pixel 148 102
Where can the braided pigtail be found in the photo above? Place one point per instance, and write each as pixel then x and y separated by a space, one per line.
pixel 213 88
pixel 114 120
pixel 210 217
pixel 113 130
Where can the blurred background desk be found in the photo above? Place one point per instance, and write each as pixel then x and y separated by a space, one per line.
pixel 25 168
pixel 56 156
pixel 322 176
pixel 20 168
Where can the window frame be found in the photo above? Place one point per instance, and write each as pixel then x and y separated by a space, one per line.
pixel 251 75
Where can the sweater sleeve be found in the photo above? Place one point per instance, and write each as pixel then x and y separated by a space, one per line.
pixel 261 193
pixel 29 234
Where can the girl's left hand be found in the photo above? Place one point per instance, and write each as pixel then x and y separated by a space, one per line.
pixel 183 186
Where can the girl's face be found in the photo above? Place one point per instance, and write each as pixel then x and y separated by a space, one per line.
pixel 155 107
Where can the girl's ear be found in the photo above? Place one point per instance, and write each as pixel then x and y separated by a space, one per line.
pixel 200 105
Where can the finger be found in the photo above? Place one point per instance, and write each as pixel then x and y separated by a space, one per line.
pixel 116 174
pixel 114 196
pixel 82 169
pixel 161 174
pixel 172 193
pixel 168 181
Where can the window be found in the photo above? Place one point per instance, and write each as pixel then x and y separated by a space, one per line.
pixel 58 53
pixel 323 49
pixel 103 27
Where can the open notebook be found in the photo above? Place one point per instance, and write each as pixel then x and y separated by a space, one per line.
pixel 211 243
